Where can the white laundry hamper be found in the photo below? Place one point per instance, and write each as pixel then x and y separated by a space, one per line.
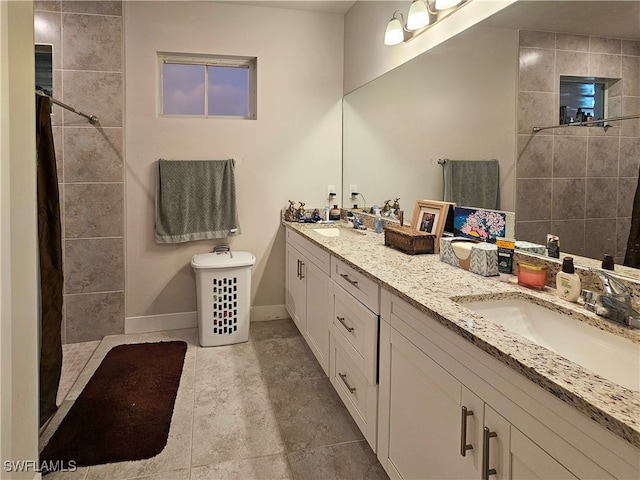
pixel 223 287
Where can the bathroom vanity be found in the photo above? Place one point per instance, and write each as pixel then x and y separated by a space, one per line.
pixel 440 391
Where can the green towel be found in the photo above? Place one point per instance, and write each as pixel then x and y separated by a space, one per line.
pixel 195 200
pixel 472 183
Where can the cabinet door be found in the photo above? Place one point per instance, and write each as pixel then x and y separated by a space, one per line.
pixel 424 417
pixel 529 461
pixel 318 314
pixel 295 288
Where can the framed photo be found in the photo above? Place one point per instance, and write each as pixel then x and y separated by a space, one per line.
pixel 430 216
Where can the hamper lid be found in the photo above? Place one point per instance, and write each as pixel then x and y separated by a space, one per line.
pixel 226 259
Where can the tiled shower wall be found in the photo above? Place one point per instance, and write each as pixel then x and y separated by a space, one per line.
pixel 577 182
pixel 88 74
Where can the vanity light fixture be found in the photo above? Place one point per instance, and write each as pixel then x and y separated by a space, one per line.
pixel 395 32
pixel 421 15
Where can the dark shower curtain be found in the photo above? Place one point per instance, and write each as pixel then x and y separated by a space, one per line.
pixel 50 251
pixel 632 256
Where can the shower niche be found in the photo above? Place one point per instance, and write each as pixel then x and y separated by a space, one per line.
pixel 587 99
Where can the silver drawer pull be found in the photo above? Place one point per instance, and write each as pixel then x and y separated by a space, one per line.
pixel 344 324
pixel 486 471
pixel 343 376
pixel 346 277
pixel 463 432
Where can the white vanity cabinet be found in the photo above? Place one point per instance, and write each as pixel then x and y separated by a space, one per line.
pixel 354 346
pixel 308 291
pixel 429 378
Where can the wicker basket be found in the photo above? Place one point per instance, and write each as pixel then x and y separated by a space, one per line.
pixel 409 241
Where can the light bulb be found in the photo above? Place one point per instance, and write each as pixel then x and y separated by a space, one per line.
pixel 418 15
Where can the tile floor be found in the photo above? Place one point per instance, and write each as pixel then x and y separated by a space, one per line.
pixel 256 410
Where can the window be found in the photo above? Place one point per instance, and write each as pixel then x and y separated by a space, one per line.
pixel 585 98
pixel 207 86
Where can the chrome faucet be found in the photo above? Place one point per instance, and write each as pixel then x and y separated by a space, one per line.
pixel 614 304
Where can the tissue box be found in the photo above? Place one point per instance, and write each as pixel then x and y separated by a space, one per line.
pixel 482 259
pixel 530 247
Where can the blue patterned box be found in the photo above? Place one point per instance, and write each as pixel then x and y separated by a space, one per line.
pixel 481 259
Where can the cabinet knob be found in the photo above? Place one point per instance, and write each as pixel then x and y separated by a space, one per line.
pixel 486 471
pixel 464 446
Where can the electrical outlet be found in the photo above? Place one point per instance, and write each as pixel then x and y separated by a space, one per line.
pixel 331 191
pixel 353 189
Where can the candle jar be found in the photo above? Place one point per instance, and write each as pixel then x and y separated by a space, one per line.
pixel 531 275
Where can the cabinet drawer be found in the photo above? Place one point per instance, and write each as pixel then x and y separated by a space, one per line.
pixel 361 287
pixel 359 396
pixel 356 328
pixel 311 252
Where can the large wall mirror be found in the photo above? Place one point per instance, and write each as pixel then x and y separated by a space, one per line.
pixel 479 95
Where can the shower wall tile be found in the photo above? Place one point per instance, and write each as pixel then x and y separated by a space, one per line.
pixel 571 233
pixel 532 201
pixel 569 156
pixel 601 132
pixel 626 192
pixel 90 42
pixel 602 159
pixel 534 156
pixel 529 38
pixel 575 43
pixel 571 63
pixel 94 265
pixel 93 155
pixel 605 65
pixel 631 76
pixel 535 63
pixel 623 228
pixel 535 232
pixel 536 109
pixel 602 195
pixel 631 47
pixel 48 30
pixel 93 210
pixel 93 7
pixel 601 237
pixel 96 93
pixel 47 5
pixel 605 45
pixel 629 157
pixel 568 201
pixel 56 113
pixel 93 316
pixel 630 106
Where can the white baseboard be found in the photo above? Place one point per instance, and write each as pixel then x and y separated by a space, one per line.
pixel 159 323
pixel 178 321
pixel 268 312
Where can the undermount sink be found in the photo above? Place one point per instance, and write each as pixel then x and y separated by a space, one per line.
pixel 328 232
pixel 610 356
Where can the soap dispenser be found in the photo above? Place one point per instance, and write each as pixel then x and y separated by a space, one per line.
pixel 379 227
pixel 568 281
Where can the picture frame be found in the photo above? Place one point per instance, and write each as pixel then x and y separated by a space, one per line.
pixel 430 216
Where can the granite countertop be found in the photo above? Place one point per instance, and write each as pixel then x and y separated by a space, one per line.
pixel 432 287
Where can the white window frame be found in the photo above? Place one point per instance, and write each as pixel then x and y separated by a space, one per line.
pixel 209 61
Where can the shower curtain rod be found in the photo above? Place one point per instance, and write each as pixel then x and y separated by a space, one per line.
pixel 590 122
pixel 93 120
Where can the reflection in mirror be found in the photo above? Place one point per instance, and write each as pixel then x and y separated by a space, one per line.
pixel 479 95
pixel 44 69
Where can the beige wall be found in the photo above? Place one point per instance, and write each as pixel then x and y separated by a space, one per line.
pixel 87 67
pixel 292 151
pixel 18 280
pixel 366 55
pixel 456 101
